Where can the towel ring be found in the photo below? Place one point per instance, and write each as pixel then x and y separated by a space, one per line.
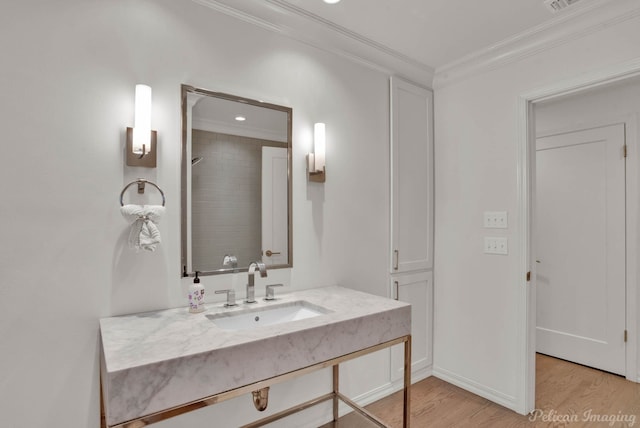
pixel 141 182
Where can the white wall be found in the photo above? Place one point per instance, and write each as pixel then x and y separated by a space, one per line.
pixel 476 314
pixel 614 103
pixel 68 75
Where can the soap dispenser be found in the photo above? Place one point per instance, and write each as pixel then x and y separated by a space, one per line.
pixel 196 296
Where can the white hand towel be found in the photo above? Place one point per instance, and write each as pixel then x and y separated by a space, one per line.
pixel 144 232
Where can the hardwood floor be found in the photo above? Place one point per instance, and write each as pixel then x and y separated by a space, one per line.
pixel 567 395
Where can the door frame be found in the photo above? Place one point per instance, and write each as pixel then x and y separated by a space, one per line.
pixel 526 322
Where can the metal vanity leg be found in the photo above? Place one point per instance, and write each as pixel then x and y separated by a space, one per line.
pixel 103 418
pixel 336 391
pixel 407 383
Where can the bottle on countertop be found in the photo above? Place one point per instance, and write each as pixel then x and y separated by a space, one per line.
pixel 196 296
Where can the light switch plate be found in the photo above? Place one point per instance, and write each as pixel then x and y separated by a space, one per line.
pixel 495 220
pixel 495 245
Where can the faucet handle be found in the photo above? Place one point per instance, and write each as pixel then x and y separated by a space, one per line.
pixel 231 297
pixel 262 268
pixel 271 294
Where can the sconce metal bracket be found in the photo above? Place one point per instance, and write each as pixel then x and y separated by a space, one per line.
pixel 147 160
pixel 317 176
pixel 313 175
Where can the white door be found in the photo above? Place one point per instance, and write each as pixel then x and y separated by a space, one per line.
pixel 275 211
pixel 580 212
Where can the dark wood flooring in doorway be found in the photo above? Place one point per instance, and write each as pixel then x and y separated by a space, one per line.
pixel 567 395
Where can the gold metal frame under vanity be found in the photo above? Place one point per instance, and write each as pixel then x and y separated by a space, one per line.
pixel 335 395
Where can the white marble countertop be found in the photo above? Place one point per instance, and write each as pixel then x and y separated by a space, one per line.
pixel 157 360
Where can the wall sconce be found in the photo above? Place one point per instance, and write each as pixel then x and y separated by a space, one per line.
pixel 141 140
pixel 316 160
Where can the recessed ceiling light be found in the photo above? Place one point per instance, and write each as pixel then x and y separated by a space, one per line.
pixel 331 1
pixel 241 118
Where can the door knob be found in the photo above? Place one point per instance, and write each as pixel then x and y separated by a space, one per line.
pixel 270 253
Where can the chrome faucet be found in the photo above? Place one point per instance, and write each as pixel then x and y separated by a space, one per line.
pixel 230 260
pixel 251 289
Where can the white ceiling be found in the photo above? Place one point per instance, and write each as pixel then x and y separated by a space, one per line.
pixel 434 32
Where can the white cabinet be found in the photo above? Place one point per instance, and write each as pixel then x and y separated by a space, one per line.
pixel 411 252
pixel 417 289
pixel 411 177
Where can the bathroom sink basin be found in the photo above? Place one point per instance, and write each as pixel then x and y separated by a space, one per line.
pixel 271 315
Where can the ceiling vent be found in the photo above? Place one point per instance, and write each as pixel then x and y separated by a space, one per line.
pixel 558 5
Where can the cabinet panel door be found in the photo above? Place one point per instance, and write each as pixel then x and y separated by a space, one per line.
pixel 411 177
pixel 416 289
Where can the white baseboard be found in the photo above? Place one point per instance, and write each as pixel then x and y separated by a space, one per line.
pixel 422 374
pixel 476 388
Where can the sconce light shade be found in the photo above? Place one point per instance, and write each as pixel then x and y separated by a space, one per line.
pixel 142 120
pixel 141 140
pixel 316 161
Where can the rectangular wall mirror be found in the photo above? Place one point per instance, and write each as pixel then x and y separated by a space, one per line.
pixel 236 183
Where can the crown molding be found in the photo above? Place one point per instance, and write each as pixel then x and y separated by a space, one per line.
pixel 238 14
pixel 583 21
pixel 293 22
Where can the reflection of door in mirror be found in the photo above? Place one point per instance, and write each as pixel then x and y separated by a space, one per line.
pixel 274 206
